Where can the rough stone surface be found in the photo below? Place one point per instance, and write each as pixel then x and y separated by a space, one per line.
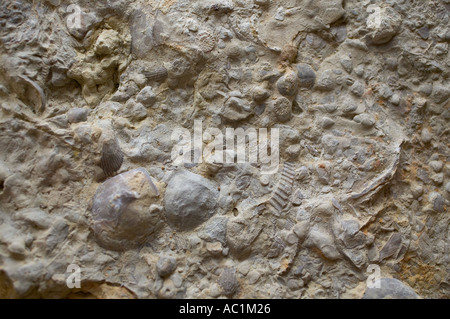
pixel 101 167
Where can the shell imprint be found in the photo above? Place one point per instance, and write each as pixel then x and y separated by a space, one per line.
pixel 112 157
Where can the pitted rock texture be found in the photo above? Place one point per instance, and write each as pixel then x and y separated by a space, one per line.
pixel 92 176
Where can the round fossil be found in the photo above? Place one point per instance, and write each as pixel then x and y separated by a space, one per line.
pixel 190 200
pixel 124 211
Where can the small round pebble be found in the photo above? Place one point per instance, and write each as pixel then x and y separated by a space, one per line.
pixel 166 265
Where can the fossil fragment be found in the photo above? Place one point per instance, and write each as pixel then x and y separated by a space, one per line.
pixel 158 74
pixel 166 265
pixel 383 24
pixel 389 288
pixel 282 109
pixel 376 185
pixel 228 282
pixel 206 41
pixel 392 246
pixel 283 191
pixel 306 75
pixel 112 157
pixel 124 210
pixel 241 233
pixel 190 200
pixel 287 85
pixel 30 93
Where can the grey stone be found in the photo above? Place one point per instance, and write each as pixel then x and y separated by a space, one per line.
pixel 426 135
pixel 389 288
pixel 385 91
pixel 262 2
pixel 350 108
pixel 424 32
pixel 330 143
pixel 190 200
pixel 326 81
pixel 79 22
pixel 77 115
pixel 366 120
pixel 357 89
pixel 438 179
pixel 138 112
pixel 395 99
pixel 166 265
pixel 437 201
pixel 293 151
pixel 347 64
pixel 228 282
pixel 288 84
pixel 260 94
pixel 58 233
pixel 306 75
pixel 423 175
pixel 215 229
pixel 416 191
pixel 388 26
pixel 35 216
pixel 359 70
pixel 302 172
pixel 440 93
pixel 236 109
pixel 426 89
pixel 146 96
pixel 17 247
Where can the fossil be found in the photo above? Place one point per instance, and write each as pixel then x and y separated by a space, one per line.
pixel 157 74
pixel 280 196
pixel 112 157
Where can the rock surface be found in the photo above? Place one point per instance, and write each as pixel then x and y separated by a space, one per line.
pixel 112 114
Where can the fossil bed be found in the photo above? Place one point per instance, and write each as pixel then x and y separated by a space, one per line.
pixel 91 91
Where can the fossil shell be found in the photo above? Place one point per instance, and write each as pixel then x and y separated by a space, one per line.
pixel 112 157
pixel 158 74
pixel 124 212
pixel 281 195
pixel 190 200
pixel 206 41
pixel 306 75
pixel 282 109
pixel 392 246
pixel 288 84
pixel 30 93
pixel 228 282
